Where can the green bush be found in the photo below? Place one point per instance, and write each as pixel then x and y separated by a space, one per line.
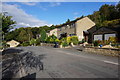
pixel 64 42
pixel 38 41
pixel 112 39
pixel 57 40
pixel 25 44
pixel 52 39
pixel 80 42
pixel 33 41
pixel 72 39
pixel 96 43
pixel 4 45
pixel 106 42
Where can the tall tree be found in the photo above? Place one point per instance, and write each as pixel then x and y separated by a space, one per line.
pixel 23 36
pixel 35 31
pixel 43 35
pixel 118 9
pixel 68 21
pixel 104 12
pixel 7 23
pixel 29 33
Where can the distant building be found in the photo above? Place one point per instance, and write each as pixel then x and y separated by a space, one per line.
pixel 76 27
pixel 13 43
pixel 54 31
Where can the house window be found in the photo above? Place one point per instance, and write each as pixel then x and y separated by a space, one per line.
pixel 97 37
pixel 73 25
pixel 70 26
pixel 107 36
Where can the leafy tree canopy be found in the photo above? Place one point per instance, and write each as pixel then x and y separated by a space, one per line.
pixel 7 23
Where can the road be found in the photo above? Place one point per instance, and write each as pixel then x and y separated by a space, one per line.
pixel 47 62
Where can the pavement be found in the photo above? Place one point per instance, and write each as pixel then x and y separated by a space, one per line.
pixel 48 62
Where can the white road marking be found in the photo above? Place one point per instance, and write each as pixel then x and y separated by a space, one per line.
pixel 110 62
pixel 90 58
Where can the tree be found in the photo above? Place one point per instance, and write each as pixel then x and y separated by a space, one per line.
pixel 7 23
pixel 46 28
pixel 52 38
pixel 52 27
pixel 108 15
pixel 1 32
pixel 23 36
pixel 9 36
pixel 35 31
pixel 118 9
pixel 104 12
pixel 43 35
pixel 68 21
pixel 29 33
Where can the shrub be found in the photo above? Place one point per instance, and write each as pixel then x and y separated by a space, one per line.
pixel 64 42
pixel 96 43
pixel 38 41
pixel 32 41
pixel 25 44
pixel 80 42
pixel 69 40
pixel 57 40
pixel 4 45
pixel 72 39
pixel 106 42
pixel 51 39
pixel 112 39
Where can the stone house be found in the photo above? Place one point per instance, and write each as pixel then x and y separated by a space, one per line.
pixel 13 43
pixel 76 27
pixel 54 31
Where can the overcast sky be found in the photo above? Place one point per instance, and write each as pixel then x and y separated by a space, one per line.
pixel 34 14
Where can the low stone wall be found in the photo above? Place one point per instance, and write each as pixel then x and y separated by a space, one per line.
pixel 47 44
pixel 104 51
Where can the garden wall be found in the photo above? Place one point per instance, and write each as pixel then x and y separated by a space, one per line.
pixel 104 51
pixel 47 44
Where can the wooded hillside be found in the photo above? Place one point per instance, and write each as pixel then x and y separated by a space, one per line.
pixel 108 15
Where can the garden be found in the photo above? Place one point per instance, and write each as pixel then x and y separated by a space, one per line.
pixel 112 41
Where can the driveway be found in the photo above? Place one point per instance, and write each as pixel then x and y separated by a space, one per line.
pixel 47 62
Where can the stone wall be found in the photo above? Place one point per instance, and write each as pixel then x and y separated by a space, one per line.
pixel 47 44
pixel 104 51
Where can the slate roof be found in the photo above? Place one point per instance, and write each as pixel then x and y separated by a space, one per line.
pixel 57 26
pixel 107 30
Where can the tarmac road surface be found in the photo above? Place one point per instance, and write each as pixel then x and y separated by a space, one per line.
pixel 48 62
